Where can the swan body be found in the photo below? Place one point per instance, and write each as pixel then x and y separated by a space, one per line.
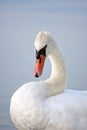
pixel 48 105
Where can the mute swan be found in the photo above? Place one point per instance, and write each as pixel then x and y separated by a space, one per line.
pixel 47 105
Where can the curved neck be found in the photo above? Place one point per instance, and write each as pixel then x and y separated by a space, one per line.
pixel 57 80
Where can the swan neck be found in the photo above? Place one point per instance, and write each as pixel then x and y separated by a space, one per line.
pixel 57 65
pixel 58 74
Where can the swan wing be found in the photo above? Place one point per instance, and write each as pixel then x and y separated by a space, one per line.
pixel 67 111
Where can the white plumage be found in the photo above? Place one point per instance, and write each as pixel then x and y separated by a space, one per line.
pixel 48 105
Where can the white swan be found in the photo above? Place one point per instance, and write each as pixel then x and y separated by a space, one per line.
pixel 46 105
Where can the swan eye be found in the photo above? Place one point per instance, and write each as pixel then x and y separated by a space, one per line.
pixel 42 51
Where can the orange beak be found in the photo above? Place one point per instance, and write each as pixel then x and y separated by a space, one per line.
pixel 38 68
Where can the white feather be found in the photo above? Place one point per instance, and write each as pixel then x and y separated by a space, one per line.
pixel 46 105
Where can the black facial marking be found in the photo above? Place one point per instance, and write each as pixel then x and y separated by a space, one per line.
pixel 42 51
pixel 40 60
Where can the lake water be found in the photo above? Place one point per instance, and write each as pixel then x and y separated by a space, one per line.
pixel 5 121
pixel 7 127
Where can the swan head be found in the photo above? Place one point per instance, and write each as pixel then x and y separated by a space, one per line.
pixel 44 45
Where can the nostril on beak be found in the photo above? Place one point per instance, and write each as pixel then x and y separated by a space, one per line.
pixel 36 75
